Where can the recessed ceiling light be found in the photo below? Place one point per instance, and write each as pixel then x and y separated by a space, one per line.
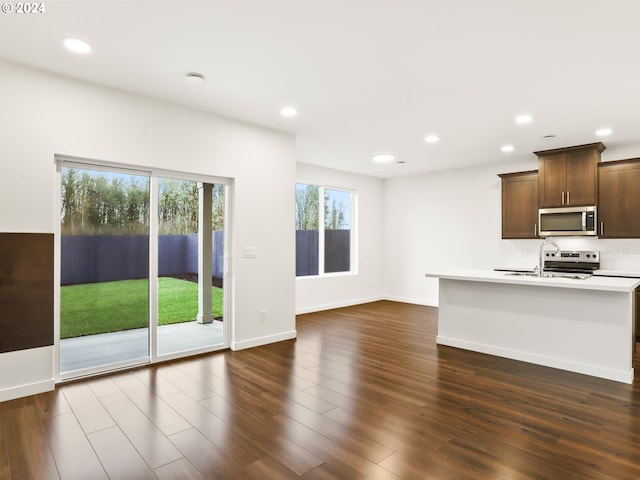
pixel 194 78
pixel 431 138
pixel 383 157
pixel 288 111
pixel 507 148
pixel 76 45
pixel 526 118
pixel 603 132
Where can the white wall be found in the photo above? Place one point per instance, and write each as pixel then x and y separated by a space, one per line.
pixel 44 115
pixel 407 226
pixel 452 219
pixel 321 293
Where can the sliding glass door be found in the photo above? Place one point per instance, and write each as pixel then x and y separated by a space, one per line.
pixel 104 269
pixel 141 268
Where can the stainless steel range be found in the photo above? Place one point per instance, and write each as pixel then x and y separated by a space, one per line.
pixel 585 262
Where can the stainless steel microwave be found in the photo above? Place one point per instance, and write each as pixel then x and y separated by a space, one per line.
pixel 567 221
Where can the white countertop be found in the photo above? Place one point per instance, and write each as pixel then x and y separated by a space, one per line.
pixel 599 272
pixel 612 284
pixel 617 273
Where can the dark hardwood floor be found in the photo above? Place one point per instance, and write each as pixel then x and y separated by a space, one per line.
pixel 363 393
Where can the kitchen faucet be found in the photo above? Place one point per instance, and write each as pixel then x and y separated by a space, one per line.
pixel 546 241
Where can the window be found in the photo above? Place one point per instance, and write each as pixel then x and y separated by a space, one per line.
pixel 324 233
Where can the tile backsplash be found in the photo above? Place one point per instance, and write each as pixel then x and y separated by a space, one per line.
pixel 623 254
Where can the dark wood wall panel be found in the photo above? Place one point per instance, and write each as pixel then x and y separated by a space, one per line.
pixel 26 291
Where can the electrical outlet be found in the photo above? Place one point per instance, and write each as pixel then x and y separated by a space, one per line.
pixel 264 315
pixel 249 252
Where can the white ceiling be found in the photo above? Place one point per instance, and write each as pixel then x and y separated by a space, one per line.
pixel 367 76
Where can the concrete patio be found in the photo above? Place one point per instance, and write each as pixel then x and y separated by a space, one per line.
pixel 107 348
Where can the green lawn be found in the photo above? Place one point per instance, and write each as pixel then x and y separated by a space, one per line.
pixel 113 306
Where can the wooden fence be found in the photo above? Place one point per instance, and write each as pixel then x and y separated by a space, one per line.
pixel 337 251
pixel 104 258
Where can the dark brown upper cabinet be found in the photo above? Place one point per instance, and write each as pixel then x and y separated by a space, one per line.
pixel 520 204
pixel 619 199
pixel 568 176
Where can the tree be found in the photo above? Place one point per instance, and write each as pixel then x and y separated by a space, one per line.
pixel 69 201
pixel 94 202
pixel 333 215
pixel 307 207
pixel 217 210
pixel 178 207
pixel 137 206
pixel 98 203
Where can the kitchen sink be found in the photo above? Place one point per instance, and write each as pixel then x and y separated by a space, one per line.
pixel 574 276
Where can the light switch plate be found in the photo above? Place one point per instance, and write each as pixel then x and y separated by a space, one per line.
pixel 249 252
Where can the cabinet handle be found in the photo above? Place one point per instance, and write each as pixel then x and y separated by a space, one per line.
pixel 562 198
pixel 601 228
pixel 568 201
pixel 535 229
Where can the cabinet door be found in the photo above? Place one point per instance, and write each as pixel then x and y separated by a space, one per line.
pixel 568 175
pixel 552 180
pixel 619 199
pixel 581 178
pixel 520 205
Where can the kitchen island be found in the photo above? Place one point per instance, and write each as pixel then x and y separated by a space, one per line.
pixel 584 326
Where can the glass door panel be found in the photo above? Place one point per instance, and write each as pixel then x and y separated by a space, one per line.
pixel 190 265
pixel 104 269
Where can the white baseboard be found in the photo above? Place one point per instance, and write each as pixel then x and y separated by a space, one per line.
pixel 26 390
pixel 331 306
pixel 360 301
pixel 26 372
pixel 257 342
pixel 571 366
pixel 413 301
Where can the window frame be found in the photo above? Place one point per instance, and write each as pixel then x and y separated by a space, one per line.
pixel 353 236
